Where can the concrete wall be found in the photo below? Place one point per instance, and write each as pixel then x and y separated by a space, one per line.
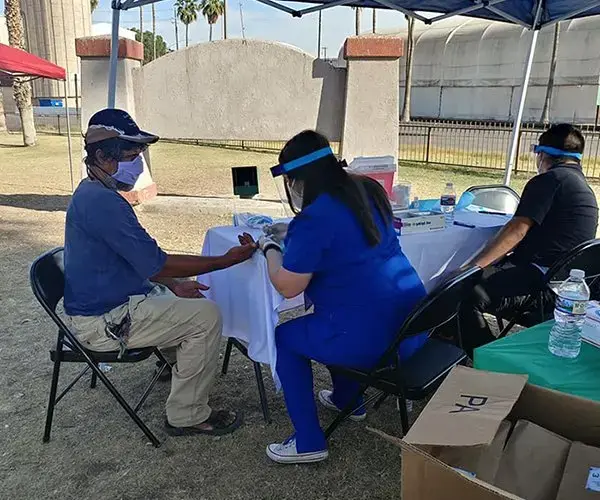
pixel 236 89
pixel 472 69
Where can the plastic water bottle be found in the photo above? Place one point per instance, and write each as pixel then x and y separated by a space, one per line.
pixel 448 202
pixel 569 316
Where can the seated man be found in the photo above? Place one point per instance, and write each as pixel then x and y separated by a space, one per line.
pixel 557 212
pixel 120 286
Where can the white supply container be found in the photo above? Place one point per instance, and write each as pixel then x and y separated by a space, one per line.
pixel 414 221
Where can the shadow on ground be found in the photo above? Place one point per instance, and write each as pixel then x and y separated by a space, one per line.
pixel 32 201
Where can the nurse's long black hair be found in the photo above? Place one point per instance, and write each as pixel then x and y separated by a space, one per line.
pixel 327 175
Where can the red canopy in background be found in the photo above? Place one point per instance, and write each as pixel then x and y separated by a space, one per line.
pixel 16 62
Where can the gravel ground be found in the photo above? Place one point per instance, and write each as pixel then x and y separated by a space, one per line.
pixel 96 452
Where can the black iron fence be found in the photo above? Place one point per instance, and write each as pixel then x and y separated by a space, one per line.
pixel 483 145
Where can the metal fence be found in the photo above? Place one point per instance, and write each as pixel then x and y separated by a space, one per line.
pixel 483 145
pixel 241 144
pixel 48 124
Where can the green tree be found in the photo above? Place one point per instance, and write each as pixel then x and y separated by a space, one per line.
pixel 94 4
pixel 211 10
pixel 161 45
pixel 187 12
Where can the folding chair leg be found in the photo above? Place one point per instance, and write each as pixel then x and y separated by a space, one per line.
pixel 261 392
pixel 346 412
pixel 150 387
pixel 500 322
pixel 380 401
pixel 227 356
pixel 134 416
pixel 94 380
pixel 403 414
pixel 53 389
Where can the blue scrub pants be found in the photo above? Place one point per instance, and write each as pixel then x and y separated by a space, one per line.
pixel 351 340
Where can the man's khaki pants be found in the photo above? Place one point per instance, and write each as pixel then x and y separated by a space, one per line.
pixel 191 326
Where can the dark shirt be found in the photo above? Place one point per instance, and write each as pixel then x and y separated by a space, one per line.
pixel 564 210
pixel 109 256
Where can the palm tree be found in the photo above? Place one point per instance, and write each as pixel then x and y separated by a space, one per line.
pixel 212 9
pixel 550 86
pixel 410 50
pixel 21 87
pixel 187 11
pixel 94 4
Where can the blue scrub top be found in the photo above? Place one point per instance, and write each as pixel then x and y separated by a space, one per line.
pixel 367 289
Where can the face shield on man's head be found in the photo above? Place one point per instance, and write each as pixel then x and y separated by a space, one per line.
pixel 292 190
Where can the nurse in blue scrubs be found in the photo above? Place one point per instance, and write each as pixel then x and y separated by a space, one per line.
pixel 342 252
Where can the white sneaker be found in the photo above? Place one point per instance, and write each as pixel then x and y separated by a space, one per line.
pixel 285 453
pixel 325 400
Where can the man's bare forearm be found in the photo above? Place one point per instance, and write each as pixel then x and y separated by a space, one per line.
pixel 504 242
pixel 185 266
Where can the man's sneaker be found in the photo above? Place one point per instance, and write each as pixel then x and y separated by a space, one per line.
pixel 285 453
pixel 325 400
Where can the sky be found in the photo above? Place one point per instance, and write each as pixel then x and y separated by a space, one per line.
pixel 260 22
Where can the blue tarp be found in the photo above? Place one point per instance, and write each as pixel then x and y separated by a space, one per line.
pixel 512 11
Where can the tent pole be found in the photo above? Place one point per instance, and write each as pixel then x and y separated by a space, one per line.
pixel 114 53
pixel 514 140
pixel 69 132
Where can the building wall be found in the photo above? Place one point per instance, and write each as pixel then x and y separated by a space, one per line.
pixel 239 89
pixel 472 69
pixel 46 30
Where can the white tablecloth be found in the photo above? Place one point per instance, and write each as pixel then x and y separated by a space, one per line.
pixel 250 304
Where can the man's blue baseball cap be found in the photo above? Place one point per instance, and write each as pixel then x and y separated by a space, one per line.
pixel 115 123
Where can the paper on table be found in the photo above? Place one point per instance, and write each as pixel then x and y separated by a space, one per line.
pixel 590 332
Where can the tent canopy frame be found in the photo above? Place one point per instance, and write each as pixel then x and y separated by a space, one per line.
pixel 538 22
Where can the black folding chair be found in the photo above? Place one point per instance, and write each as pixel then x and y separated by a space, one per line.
pixel 585 256
pixel 495 197
pixel 46 277
pixel 262 393
pixel 423 372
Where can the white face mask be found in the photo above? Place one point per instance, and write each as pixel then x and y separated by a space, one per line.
pixel 296 190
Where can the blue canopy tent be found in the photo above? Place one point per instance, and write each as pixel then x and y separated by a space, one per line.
pixel 532 14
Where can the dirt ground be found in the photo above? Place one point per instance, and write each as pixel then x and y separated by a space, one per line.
pixel 96 452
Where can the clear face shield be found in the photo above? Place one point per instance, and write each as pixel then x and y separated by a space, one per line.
pixel 291 191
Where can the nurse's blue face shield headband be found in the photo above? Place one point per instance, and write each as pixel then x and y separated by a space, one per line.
pixel 286 168
pixel 550 151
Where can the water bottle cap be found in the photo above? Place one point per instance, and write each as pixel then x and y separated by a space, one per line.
pixel 577 273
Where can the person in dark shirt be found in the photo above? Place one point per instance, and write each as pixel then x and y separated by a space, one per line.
pixel 557 212
pixel 121 289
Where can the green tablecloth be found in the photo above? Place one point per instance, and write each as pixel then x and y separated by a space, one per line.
pixel 527 352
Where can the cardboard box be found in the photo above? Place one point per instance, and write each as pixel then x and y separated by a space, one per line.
pixel 414 221
pixel 467 410
pixel 533 462
pixel 481 461
pixel 581 478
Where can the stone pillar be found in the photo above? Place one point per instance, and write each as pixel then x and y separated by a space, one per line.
pixel 94 52
pixel 372 111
